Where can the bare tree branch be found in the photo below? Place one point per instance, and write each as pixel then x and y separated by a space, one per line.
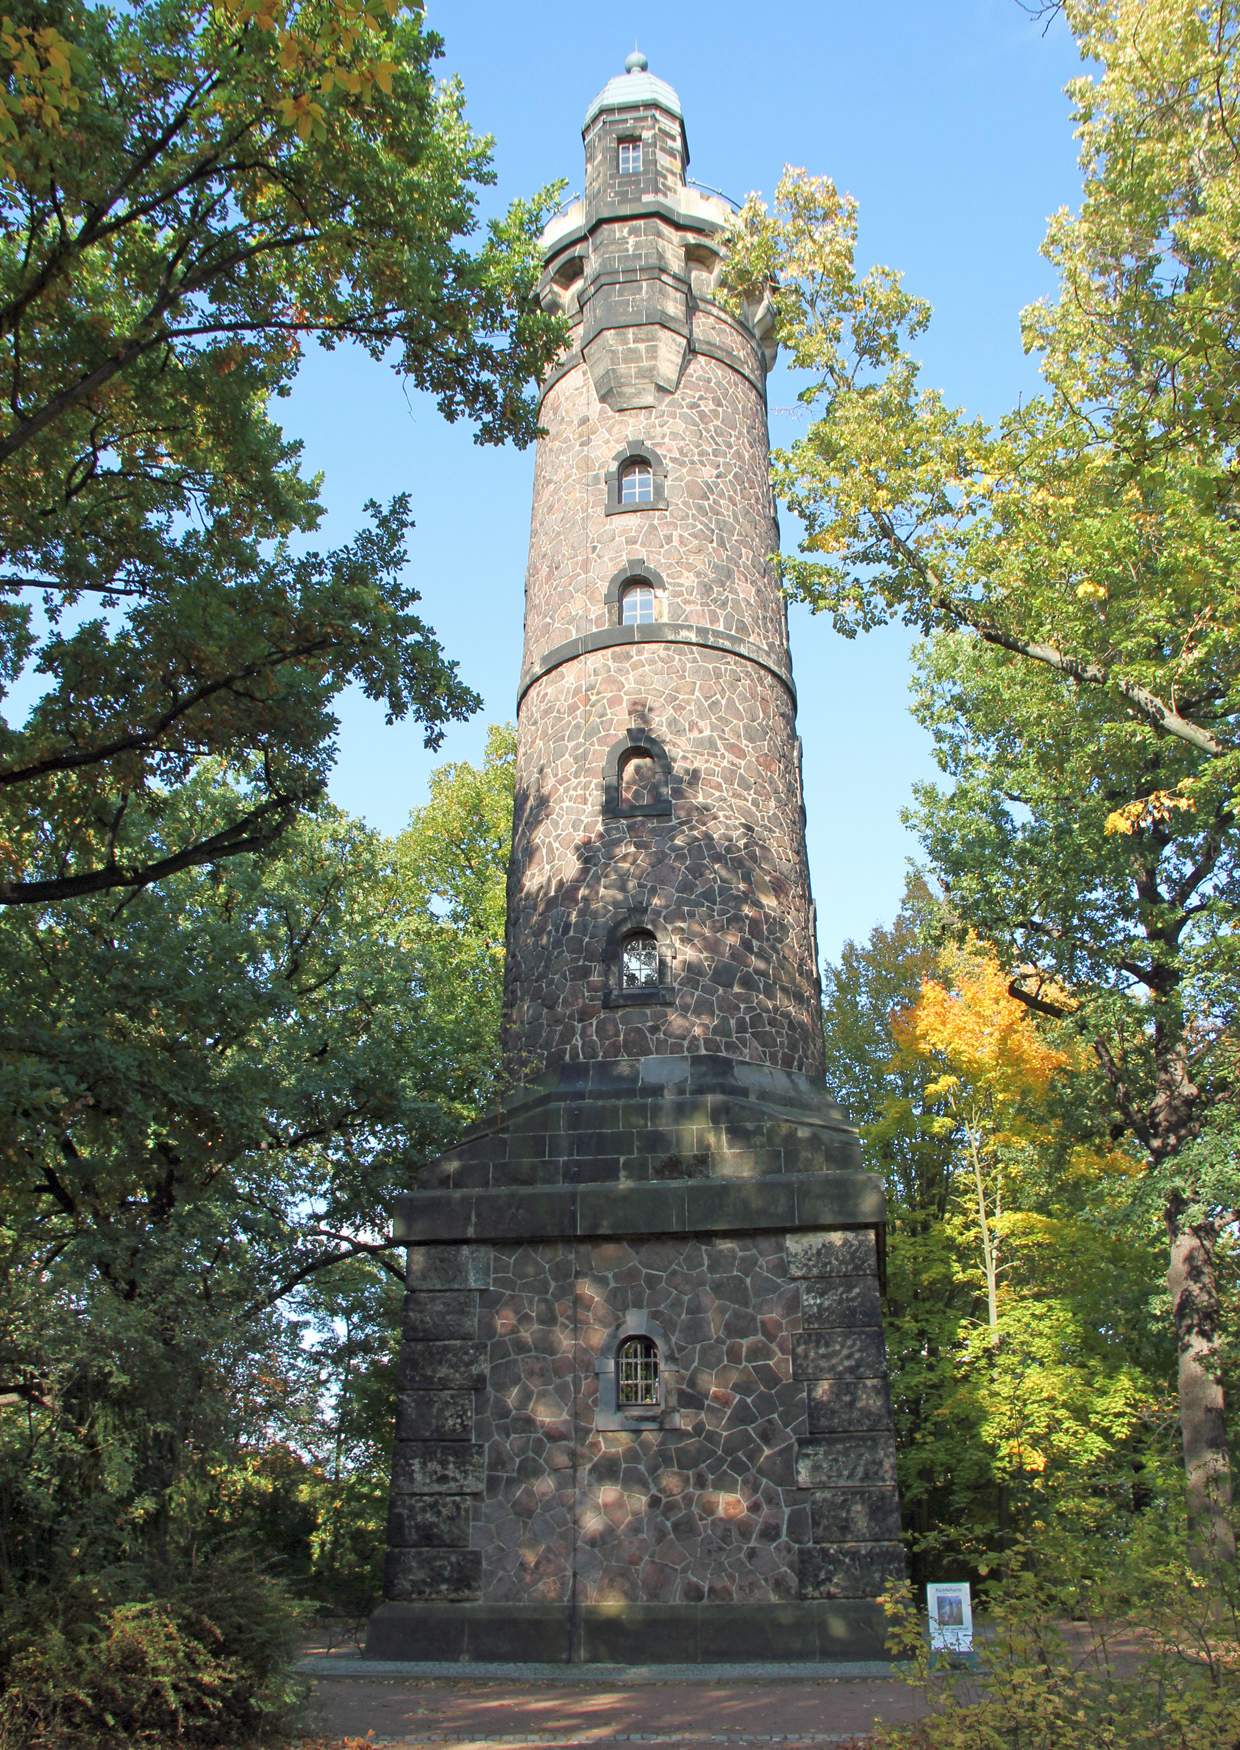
pixel 249 833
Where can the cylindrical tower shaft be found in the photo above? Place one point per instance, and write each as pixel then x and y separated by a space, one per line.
pixel 659 802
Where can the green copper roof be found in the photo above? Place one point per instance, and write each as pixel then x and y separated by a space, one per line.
pixel 634 90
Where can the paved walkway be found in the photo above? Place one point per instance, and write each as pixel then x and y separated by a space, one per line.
pixel 579 1708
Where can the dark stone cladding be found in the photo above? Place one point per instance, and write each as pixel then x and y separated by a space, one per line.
pixel 653 1145
pixel 659 632
pixel 569 243
pixel 808 1630
pixel 747 365
pixel 766 1205
pixel 678 1170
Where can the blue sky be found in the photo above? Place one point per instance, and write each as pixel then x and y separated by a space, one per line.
pixel 950 127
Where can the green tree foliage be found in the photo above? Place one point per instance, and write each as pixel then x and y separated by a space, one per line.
pixel 196 1091
pixel 1027 1367
pixel 190 193
pixel 211 1093
pixel 452 868
pixel 1076 566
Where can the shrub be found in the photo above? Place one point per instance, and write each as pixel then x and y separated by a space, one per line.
pixel 1034 1687
pixel 206 1665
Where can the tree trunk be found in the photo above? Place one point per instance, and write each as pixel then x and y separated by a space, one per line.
pixel 1207 1465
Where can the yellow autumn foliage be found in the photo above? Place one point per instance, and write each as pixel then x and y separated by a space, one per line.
pixel 1153 810
pixel 985 1035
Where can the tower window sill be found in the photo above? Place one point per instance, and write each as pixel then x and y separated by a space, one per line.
pixel 625 509
pixel 633 1422
pixel 654 996
pixel 640 811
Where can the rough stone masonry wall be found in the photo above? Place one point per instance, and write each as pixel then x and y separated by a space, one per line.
pixel 663 162
pixel 771 1478
pixel 723 876
pixel 706 1511
pixel 687 1125
pixel 710 545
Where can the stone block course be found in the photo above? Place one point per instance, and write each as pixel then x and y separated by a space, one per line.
pixel 855 1516
pixel 436 1467
pixel 810 1629
pixel 429 1522
pixel 832 1254
pixel 841 1301
pixel 441 1575
pixel 435 1415
pixel 439 1267
pixel 450 1366
pixel 846 1405
pixel 446 1315
pixel 846 1461
pixel 856 1354
pixel 849 1570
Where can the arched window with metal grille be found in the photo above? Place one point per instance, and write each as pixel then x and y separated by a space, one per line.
pixel 637 1378
pixel 639 961
pixel 638 1385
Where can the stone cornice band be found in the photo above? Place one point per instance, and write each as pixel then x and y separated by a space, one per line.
pixel 617 212
pixel 781 1203
pixel 665 632
pixel 574 358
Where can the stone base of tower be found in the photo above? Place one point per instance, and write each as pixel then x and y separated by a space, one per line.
pixel 801 1632
pixel 716 1211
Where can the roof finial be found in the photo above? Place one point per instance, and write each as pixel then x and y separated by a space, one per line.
pixel 636 62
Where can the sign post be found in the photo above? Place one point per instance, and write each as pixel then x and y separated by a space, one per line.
pixel 951 1617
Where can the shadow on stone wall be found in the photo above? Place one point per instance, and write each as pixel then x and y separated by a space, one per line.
pixel 740 980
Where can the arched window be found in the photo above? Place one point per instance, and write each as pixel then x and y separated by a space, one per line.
pixel 637 593
pixel 638 1382
pixel 637 780
pixel 637 604
pixel 640 789
pixel 639 961
pixel 637 482
pixel 638 1385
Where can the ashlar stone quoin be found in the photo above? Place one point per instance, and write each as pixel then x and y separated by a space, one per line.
pixel 643 1407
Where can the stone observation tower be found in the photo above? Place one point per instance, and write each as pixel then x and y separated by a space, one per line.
pixel 643 1407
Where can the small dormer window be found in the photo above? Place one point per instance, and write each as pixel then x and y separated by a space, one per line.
pixel 629 160
pixel 637 483
pixel 637 604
